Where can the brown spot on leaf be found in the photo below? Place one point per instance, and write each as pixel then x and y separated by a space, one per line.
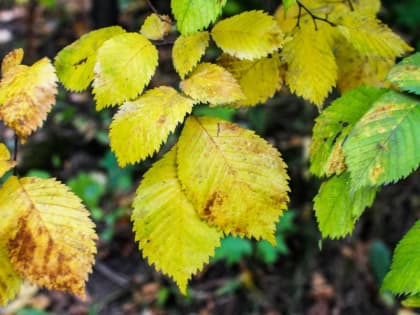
pixel 162 119
pixel 375 173
pixel 215 200
pixel 22 246
pixel 80 62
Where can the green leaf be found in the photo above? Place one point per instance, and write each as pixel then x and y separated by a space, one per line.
pixel 233 249
pixel 412 301
pixel 269 253
pixel 89 187
pixel 75 62
pixel 287 4
pixel 383 146
pixel 225 113
pixel 286 223
pixel 337 208
pixel 125 64
pixel 380 260
pixel 406 74
pixel 195 15
pixel 333 126
pixel 404 277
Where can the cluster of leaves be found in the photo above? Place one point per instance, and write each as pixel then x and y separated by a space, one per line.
pixel 46 234
pixel 365 139
pixel 219 179
pixel 207 185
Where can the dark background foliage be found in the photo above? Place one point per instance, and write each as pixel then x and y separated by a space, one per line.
pixel 302 275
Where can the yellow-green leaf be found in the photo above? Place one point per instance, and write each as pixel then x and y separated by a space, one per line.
pixel 337 209
pixel 370 37
pixel 235 180
pixel 383 146
pixel 5 162
pixel 406 74
pixel 10 281
pixel 287 4
pixel 75 62
pixel 259 79
pixel 156 27
pixel 311 68
pixel 125 64
pixel 188 50
pixel 139 127
pixel 48 232
pixel 171 234
pixel 195 15
pixel 27 95
pixel 249 35
pixel 210 83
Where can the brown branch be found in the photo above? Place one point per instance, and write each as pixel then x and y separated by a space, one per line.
pixel 163 43
pixel 29 29
pixel 350 3
pixel 313 16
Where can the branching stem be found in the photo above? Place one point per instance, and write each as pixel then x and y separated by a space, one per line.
pixel 313 16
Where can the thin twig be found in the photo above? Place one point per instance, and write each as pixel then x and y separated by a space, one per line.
pixel 163 43
pixel 313 16
pixel 153 8
pixel 15 153
pixel 30 33
pixel 111 275
pixel 350 3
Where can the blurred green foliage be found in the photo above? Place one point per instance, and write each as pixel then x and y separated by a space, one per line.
pixel 380 260
pixel 235 249
pixel 31 311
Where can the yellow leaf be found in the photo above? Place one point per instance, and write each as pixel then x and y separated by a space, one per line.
pixel 27 95
pixel 125 65
pixel 259 79
pixel 5 162
pixel 249 35
pixel 210 83
pixel 156 27
pixel 169 230
pixel 75 62
pixel 311 67
pixel 370 37
pixel 188 50
pixel 48 232
pixel 10 281
pixel 12 60
pixel 355 69
pixel 235 180
pixel 139 127
pixel 371 7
